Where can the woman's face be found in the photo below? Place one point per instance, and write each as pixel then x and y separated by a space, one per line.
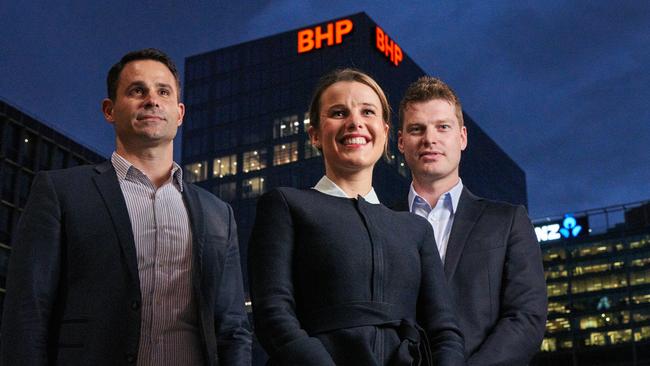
pixel 352 133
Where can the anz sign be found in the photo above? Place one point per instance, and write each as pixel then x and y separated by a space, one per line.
pixel 569 227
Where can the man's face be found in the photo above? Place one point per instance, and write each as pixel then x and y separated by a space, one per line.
pixel 431 140
pixel 146 112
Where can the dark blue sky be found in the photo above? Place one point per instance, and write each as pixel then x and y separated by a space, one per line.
pixel 563 88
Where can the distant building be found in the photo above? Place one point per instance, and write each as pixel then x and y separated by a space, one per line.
pixel 597 266
pixel 27 146
pixel 246 122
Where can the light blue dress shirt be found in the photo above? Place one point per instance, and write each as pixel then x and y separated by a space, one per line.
pixel 441 217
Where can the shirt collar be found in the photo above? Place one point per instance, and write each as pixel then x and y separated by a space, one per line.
pixel 453 193
pixel 124 169
pixel 325 185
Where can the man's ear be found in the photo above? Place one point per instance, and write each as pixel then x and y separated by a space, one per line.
pixel 181 113
pixel 107 109
pixel 463 138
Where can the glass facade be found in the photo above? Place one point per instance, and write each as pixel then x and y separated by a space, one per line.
pixel 599 290
pixel 27 146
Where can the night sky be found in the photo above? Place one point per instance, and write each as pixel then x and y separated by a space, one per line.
pixel 562 87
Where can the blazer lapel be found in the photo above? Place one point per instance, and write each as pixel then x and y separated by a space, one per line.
pixel 198 228
pixel 109 188
pixel 467 213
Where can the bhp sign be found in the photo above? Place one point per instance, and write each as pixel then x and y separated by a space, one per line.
pixel 331 34
pixel 388 47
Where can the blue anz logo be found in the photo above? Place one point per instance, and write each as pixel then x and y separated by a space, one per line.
pixel 570 228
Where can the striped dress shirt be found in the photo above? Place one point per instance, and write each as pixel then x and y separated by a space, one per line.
pixel 169 330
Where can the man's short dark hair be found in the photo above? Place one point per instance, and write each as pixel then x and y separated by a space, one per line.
pixel 428 88
pixel 145 54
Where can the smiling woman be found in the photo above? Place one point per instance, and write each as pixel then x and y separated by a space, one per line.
pixel 337 278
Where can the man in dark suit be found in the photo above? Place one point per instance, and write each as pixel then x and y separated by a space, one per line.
pixel 123 262
pixel 491 257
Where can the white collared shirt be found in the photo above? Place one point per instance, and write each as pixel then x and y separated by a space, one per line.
pixel 325 185
pixel 441 217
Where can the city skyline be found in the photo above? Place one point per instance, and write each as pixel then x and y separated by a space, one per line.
pixel 561 88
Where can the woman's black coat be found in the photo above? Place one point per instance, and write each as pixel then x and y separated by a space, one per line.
pixel 342 281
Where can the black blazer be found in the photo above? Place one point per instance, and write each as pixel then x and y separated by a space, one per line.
pixel 73 291
pixel 494 267
pixel 342 281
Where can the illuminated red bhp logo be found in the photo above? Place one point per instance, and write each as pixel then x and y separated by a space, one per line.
pixel 388 47
pixel 312 38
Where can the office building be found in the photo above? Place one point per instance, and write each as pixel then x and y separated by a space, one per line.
pixel 246 122
pixel 27 146
pixel 597 266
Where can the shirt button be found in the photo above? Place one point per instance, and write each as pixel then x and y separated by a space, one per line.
pixel 135 305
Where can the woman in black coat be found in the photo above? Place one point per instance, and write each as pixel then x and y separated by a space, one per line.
pixel 337 278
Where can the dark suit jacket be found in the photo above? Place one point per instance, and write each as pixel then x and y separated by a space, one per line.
pixel 73 292
pixel 494 267
pixel 337 281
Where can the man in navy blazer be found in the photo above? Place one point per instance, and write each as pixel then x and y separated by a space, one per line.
pixel 490 253
pixel 123 262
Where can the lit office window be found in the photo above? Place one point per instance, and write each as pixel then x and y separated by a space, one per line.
pixel 285 153
pixel 225 165
pixel 254 160
pixel 557 325
pixel 196 172
pixel 641 315
pixel 549 345
pixel 557 288
pixel 641 334
pixel 599 283
pixel 641 262
pixel 226 191
pixel 306 123
pixel 595 339
pixel 596 249
pixel 285 126
pixel 554 254
pixel 558 271
pixel 619 336
pixel 558 307
pixel 595 268
pixel 310 150
pixel 640 278
pixel 640 243
pixel 252 187
pixel 641 297
pixel 604 320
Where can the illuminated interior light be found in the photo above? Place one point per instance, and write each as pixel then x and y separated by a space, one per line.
pixel 26 140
